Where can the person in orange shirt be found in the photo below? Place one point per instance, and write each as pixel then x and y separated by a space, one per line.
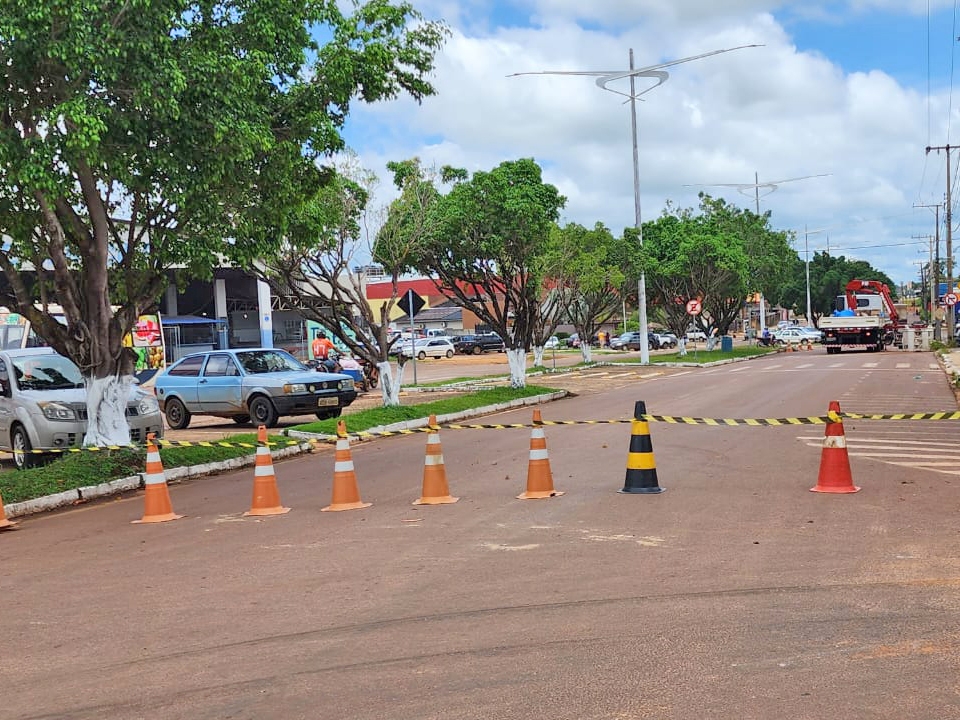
pixel 321 346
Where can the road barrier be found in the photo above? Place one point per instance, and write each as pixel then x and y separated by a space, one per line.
pixel 346 492
pixel 157 507
pixel 539 475
pixel 4 523
pixel 835 475
pixel 641 466
pixel 435 489
pixel 266 495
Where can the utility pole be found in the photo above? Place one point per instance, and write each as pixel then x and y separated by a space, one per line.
pixel 931 273
pixel 934 273
pixel 949 221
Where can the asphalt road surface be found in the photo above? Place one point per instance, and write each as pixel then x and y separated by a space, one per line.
pixel 737 593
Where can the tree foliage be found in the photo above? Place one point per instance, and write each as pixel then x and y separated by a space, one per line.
pixel 829 276
pixel 137 135
pixel 718 255
pixel 589 268
pixel 486 235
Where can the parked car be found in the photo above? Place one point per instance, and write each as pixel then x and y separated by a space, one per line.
pixel 256 386
pixel 573 341
pixel 435 347
pixel 694 335
pixel 620 341
pixel 795 336
pixel 43 405
pixel 476 344
pixel 552 343
pixel 667 340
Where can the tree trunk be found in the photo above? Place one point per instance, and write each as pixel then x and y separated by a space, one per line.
pixel 586 352
pixel 517 360
pixel 390 385
pixel 538 356
pixel 107 399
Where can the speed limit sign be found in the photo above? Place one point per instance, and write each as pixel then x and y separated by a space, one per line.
pixel 950 299
pixel 693 307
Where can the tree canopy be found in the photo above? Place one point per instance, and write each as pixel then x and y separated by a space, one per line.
pixel 138 135
pixel 717 255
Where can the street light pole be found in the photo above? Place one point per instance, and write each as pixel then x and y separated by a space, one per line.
pixel 642 281
pixel 603 78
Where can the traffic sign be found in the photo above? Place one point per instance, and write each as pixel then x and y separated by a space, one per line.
pixel 409 300
pixel 950 299
pixel 693 307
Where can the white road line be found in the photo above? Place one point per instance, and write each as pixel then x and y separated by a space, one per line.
pixel 903 365
pixel 805 365
pixel 836 365
pixel 870 365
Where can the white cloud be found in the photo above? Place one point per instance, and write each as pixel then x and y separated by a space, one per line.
pixel 772 111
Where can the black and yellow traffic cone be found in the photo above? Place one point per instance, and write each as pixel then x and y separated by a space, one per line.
pixel 641 467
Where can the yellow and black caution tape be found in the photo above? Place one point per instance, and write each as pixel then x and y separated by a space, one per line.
pixel 724 422
pixel 669 419
pixel 903 416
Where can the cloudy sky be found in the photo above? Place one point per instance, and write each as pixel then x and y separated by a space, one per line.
pixel 852 91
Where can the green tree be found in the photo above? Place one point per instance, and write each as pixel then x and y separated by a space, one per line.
pixel 137 135
pixel 486 236
pixel 719 256
pixel 829 276
pixel 589 268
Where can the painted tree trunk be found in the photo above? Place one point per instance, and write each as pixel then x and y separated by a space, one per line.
pixel 517 360
pixel 390 384
pixel 107 400
pixel 586 352
pixel 538 356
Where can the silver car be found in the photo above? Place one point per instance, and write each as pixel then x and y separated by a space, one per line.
pixel 43 405
pixel 255 385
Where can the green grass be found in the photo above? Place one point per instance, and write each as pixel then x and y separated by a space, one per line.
pixel 701 355
pixel 374 417
pixel 73 470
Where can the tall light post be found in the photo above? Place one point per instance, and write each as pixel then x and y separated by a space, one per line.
pixel 769 187
pixel 603 78
pixel 806 252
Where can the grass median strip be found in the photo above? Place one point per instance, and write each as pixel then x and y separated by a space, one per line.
pixel 76 470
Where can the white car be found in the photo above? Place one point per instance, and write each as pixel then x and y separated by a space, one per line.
pixel 435 347
pixel 552 343
pixel 796 336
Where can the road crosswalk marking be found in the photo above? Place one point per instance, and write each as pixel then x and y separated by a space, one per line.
pixel 930 448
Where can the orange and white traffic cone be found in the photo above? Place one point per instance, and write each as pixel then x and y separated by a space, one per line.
pixel 539 477
pixel 435 490
pixel 4 523
pixel 156 497
pixel 266 495
pixel 346 493
pixel 835 475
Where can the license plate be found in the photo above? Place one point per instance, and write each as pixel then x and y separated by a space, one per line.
pixel 327 401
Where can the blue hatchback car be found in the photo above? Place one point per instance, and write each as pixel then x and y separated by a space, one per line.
pixel 255 385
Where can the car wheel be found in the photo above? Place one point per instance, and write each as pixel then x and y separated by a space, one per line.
pixel 178 417
pixel 477 350
pixel 421 355
pixel 327 414
pixel 262 412
pixel 20 443
pixel 449 353
pixel 241 419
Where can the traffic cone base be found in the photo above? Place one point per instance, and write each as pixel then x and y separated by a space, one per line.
pixel 157 507
pixel 835 475
pixel 539 475
pixel 266 495
pixel 435 490
pixel 346 493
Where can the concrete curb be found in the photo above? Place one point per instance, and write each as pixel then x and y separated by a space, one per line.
pixel 178 474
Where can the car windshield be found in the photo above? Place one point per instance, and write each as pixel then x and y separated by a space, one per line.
pixel 46 372
pixel 257 362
